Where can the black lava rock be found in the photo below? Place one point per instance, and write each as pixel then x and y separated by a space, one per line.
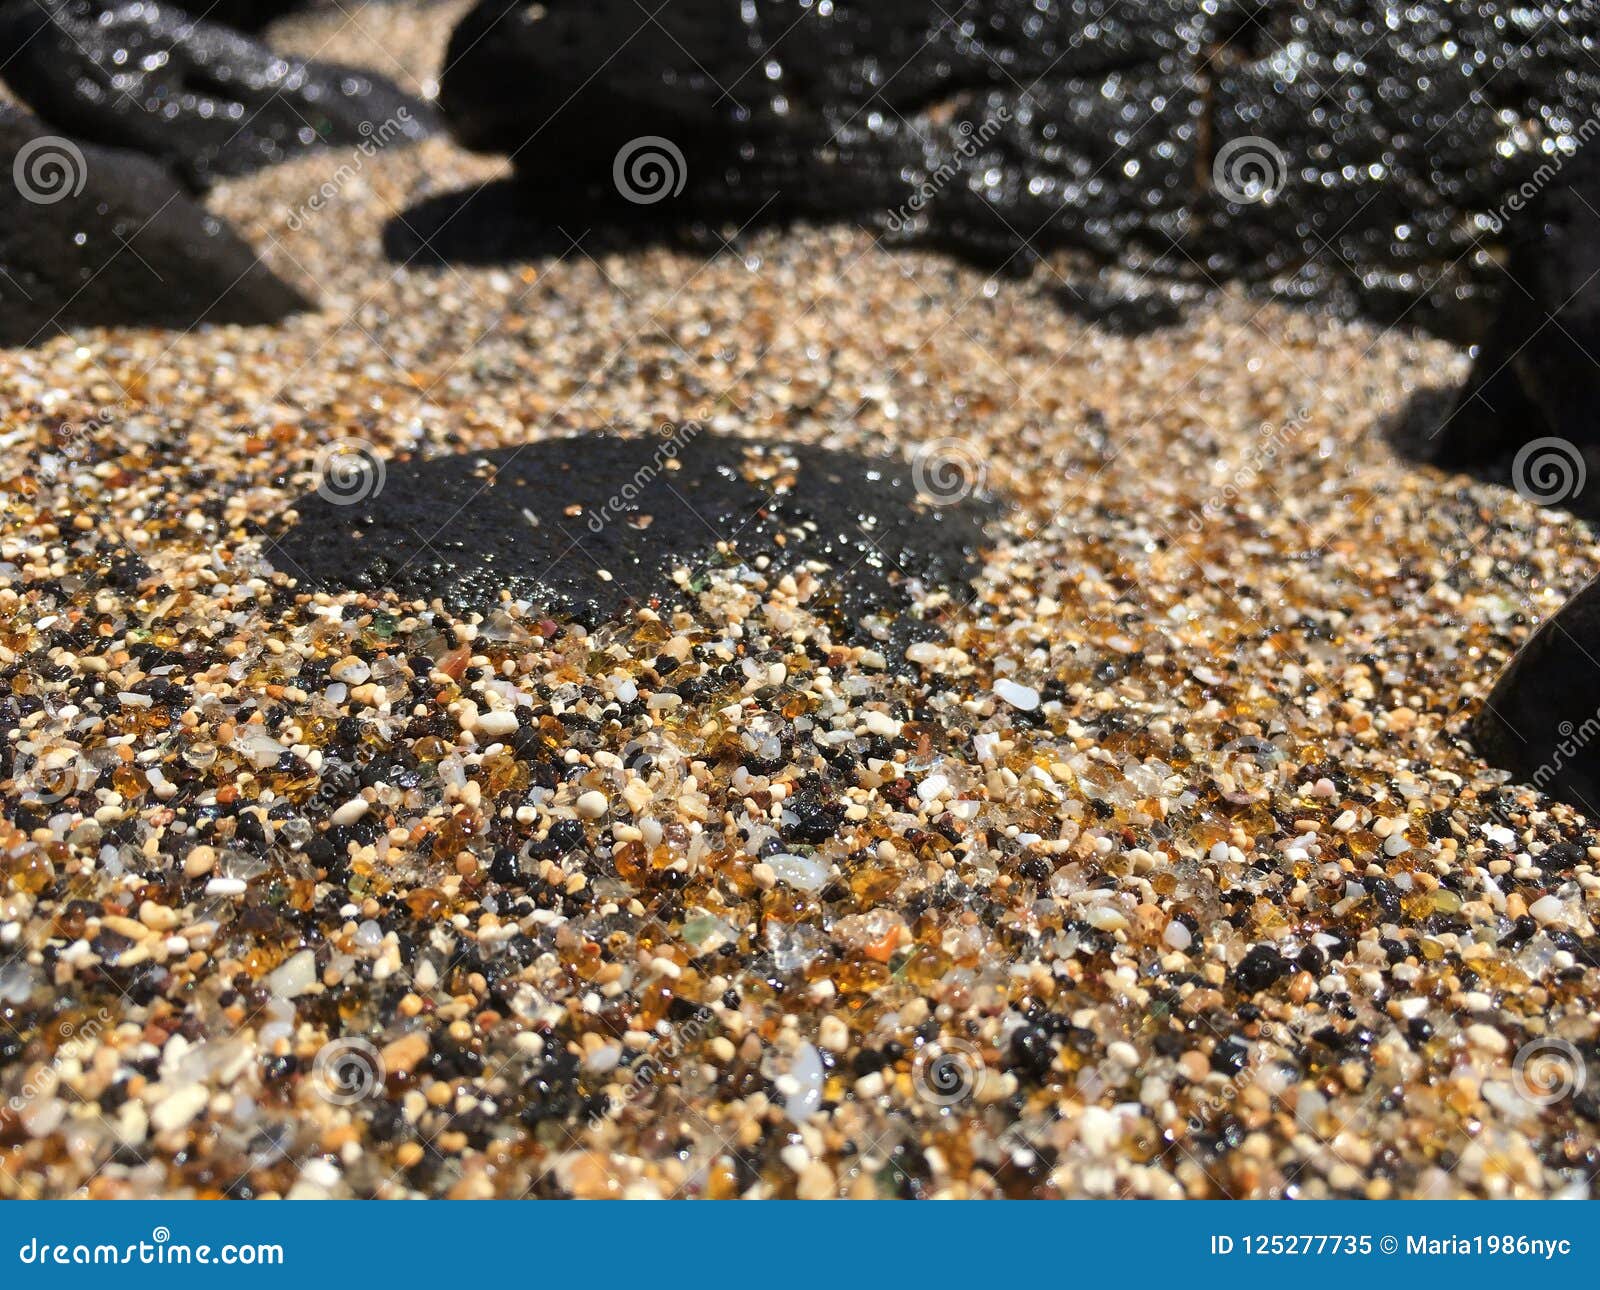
pixel 1537 374
pixel 1033 1051
pixel 204 99
pixel 590 525
pixel 1338 147
pixel 1260 967
pixel 1542 720
pixel 243 15
pixel 98 237
pixel 246 15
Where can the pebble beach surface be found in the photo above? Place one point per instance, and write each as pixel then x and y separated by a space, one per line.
pixel 1163 867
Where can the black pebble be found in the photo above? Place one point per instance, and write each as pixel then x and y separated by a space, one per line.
pixel 1260 968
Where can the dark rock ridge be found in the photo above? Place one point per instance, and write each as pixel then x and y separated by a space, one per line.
pixel 1542 720
pixel 1537 373
pixel 1003 128
pixel 242 15
pixel 205 100
pixel 545 519
pixel 109 239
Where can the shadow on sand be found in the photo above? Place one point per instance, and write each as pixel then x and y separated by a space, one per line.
pixel 509 221
pixel 1436 426
pixel 504 221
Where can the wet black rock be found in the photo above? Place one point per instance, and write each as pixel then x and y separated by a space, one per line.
pixel 588 526
pixel 243 15
pixel 200 97
pixel 1537 373
pixel 1542 720
pixel 98 237
pixel 1340 148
